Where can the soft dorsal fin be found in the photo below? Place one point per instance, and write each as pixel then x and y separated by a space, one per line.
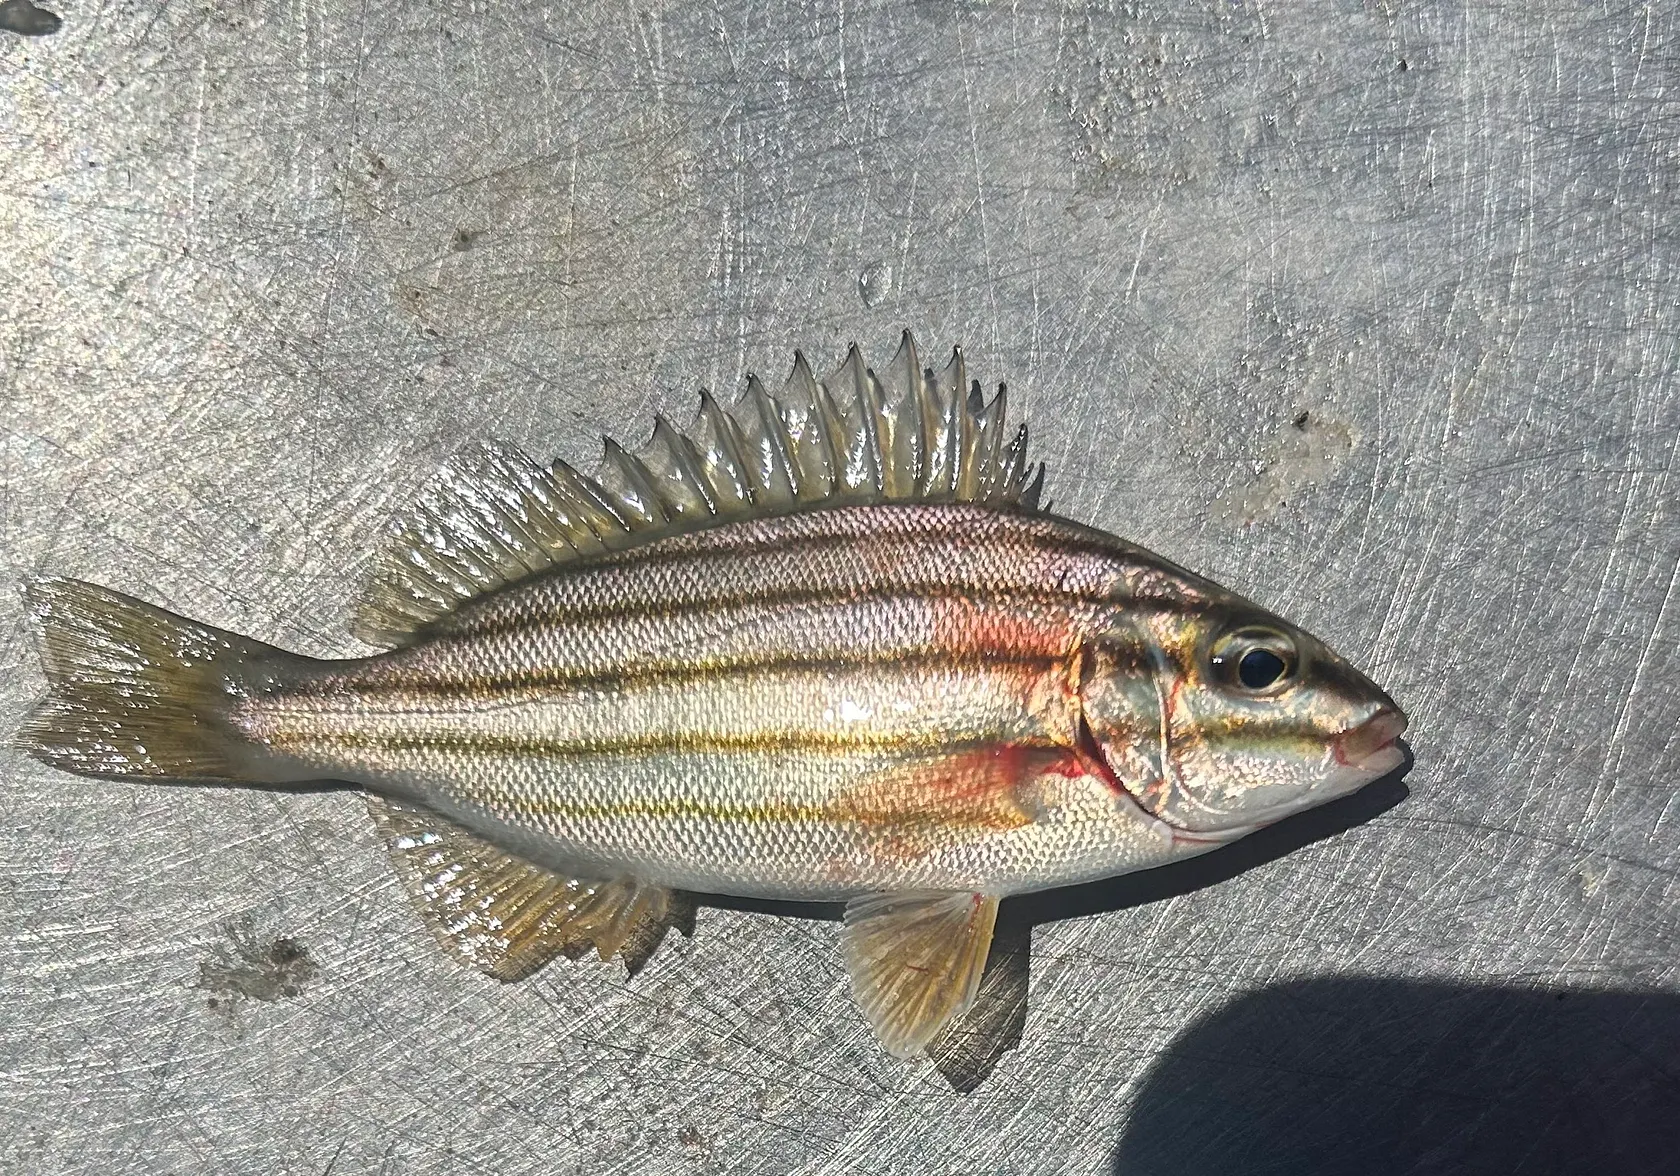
pixel 505 916
pixel 906 434
pixel 915 961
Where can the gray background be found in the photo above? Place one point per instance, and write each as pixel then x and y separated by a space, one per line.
pixel 263 265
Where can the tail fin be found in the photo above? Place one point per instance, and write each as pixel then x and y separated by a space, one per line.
pixel 137 691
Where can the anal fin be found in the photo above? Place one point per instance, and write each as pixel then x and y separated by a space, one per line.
pixel 507 917
pixel 915 961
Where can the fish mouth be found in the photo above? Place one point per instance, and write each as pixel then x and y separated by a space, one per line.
pixel 1370 748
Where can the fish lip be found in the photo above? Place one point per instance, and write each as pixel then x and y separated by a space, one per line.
pixel 1371 742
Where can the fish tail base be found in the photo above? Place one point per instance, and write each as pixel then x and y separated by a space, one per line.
pixel 140 692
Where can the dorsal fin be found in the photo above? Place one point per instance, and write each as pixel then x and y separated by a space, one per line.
pixel 906 434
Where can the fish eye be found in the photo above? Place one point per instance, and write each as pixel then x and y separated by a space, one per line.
pixel 1255 660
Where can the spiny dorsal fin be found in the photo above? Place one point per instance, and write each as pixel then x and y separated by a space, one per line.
pixel 505 916
pixel 906 434
pixel 915 961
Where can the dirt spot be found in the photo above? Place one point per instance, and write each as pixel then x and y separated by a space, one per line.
pixel 1116 106
pixel 692 1136
pixel 1301 455
pixel 248 967
pixel 26 20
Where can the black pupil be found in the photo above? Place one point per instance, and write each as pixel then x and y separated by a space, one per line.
pixel 1259 668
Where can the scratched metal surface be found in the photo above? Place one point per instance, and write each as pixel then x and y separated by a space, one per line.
pixel 263 265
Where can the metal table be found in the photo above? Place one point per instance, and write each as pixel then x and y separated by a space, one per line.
pixel 264 265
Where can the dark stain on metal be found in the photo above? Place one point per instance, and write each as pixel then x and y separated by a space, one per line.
pixel 281 967
pixel 26 20
pixel 692 1136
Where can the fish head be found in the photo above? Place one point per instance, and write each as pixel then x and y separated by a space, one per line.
pixel 1221 718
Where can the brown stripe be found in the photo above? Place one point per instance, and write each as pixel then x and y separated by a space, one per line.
pixel 649 559
pixel 952 524
pixel 580 612
pixel 429 672
pixel 631 677
pixel 487 744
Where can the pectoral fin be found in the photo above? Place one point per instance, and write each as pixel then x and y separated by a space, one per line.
pixel 915 961
pixel 506 916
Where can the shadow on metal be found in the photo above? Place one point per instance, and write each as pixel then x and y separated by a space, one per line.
pixel 969 1048
pixel 1380 1077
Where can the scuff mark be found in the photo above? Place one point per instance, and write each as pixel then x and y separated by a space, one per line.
pixel 693 1138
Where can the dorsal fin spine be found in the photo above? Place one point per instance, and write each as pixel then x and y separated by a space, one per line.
pixel 623 475
pixel 834 433
pixel 829 429
pixel 1030 496
pixel 775 474
pixel 535 546
pixel 1015 460
pixel 677 479
pixel 991 443
pixel 596 516
pixel 723 457
pixel 957 447
pixel 939 438
pixel 905 391
pixel 852 385
pixel 809 436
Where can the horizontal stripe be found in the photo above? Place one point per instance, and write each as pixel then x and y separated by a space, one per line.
pixel 678 573
pixel 557 683
pixel 885 705
pixel 768 811
pixel 547 602
pixel 767 641
pixel 968 784
pixel 824 633
pixel 656 744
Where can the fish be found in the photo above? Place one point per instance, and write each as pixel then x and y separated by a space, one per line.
pixel 824 645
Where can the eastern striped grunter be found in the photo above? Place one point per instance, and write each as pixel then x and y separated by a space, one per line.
pixel 825 645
